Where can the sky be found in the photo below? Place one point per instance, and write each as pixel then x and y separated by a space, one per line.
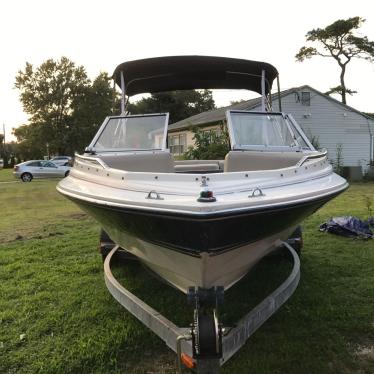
pixel 102 34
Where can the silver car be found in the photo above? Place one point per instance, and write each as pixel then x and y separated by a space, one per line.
pixel 61 160
pixel 29 170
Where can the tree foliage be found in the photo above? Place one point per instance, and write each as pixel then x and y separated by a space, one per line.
pixel 8 152
pixel 180 104
pixel 98 102
pixel 337 41
pixel 64 107
pixel 31 143
pixel 339 90
pixel 209 145
pixel 234 102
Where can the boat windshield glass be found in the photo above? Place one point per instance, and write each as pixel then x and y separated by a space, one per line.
pixel 299 137
pixel 141 132
pixel 253 130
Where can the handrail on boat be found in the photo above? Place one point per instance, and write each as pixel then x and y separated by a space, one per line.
pixel 92 159
pixel 321 154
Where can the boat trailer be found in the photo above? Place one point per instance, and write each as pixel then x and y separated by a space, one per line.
pixel 206 345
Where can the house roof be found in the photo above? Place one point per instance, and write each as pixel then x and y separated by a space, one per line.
pixel 213 116
pixel 193 72
pixel 219 114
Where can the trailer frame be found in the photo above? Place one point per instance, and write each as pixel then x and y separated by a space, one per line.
pixel 179 339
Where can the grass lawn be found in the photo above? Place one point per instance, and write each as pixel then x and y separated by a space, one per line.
pixel 56 315
pixel 6 175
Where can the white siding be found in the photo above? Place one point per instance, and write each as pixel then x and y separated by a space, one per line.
pixel 328 121
pixel 332 124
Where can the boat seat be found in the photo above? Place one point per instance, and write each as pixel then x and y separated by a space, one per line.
pixel 155 162
pixel 255 160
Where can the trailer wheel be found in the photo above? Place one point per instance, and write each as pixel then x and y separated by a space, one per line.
pixel 296 240
pixel 206 340
pixel 207 335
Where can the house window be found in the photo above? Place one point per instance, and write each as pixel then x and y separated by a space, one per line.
pixel 177 144
pixel 305 98
pixel 212 134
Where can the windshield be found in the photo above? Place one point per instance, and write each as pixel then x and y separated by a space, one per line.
pixel 133 133
pixel 259 130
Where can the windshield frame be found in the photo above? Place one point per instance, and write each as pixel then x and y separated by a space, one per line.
pixel 235 145
pixel 102 128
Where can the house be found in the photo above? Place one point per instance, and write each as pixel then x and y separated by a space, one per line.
pixel 346 133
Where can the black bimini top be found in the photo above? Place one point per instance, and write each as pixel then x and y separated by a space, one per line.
pixel 193 72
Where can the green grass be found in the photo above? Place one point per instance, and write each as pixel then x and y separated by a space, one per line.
pixel 52 290
pixel 6 175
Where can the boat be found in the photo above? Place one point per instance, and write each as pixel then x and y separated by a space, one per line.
pixel 200 223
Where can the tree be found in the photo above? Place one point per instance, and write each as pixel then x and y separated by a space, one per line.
pixel 65 108
pixel 47 94
pixel 234 102
pixel 88 113
pixel 180 104
pixel 30 141
pixel 337 41
pixel 1 144
pixel 11 154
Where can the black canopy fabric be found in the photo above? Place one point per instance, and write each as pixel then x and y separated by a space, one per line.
pixel 193 72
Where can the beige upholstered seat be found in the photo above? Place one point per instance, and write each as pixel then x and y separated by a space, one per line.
pixel 255 160
pixel 156 162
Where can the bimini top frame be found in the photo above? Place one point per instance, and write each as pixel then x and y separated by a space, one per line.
pixel 170 73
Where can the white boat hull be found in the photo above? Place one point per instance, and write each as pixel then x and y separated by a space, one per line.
pixel 205 270
pixel 195 244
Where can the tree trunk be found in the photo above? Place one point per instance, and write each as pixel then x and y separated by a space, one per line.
pixel 344 90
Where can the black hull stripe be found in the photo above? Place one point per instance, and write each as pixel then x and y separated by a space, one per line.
pixel 213 233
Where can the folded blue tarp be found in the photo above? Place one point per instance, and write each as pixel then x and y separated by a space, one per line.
pixel 349 226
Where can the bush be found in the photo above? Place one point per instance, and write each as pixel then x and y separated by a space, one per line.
pixel 209 145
